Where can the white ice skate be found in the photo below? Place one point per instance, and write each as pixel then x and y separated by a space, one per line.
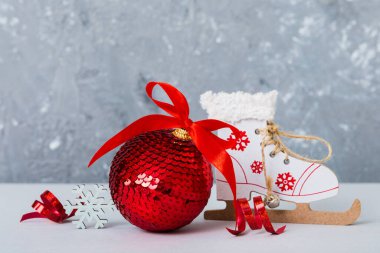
pixel 282 173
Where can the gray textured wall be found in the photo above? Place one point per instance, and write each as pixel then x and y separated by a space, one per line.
pixel 72 73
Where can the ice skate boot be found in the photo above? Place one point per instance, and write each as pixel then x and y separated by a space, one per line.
pixel 264 165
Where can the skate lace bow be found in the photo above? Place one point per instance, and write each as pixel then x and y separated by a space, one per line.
pixel 272 135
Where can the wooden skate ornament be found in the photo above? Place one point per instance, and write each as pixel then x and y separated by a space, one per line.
pixel 302 214
pixel 264 164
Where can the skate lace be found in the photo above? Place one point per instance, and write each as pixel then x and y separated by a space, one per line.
pixel 272 135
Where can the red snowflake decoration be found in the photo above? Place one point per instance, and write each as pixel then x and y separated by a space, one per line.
pixel 241 140
pixel 285 181
pixel 257 167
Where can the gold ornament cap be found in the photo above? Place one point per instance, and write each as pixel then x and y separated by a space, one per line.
pixel 182 134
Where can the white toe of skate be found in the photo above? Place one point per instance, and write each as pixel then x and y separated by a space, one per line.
pixel 318 182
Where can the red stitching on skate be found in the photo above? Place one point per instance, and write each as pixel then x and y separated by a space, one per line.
pixel 315 193
pixel 299 179
pixel 246 180
pixel 307 179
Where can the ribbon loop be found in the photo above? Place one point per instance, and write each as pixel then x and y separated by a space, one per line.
pixel 256 220
pixel 50 208
pixel 179 109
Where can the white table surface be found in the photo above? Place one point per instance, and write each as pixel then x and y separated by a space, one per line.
pixel 40 235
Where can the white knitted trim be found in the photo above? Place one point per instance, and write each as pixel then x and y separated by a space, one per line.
pixel 237 106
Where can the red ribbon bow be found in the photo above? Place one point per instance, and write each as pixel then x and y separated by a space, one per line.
pixel 255 220
pixel 211 146
pixel 50 208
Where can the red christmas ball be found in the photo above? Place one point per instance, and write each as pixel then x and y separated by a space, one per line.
pixel 160 181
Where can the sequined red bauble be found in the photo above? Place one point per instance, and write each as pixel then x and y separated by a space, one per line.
pixel 160 182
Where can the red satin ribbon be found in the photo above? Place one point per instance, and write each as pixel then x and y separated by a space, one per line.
pixel 255 220
pixel 211 146
pixel 50 208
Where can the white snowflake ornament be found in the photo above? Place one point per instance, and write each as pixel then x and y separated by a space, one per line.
pixel 91 203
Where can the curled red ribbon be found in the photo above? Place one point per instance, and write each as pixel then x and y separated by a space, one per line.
pixel 211 146
pixel 50 208
pixel 255 220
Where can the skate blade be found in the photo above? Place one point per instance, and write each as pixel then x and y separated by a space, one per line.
pixel 302 214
